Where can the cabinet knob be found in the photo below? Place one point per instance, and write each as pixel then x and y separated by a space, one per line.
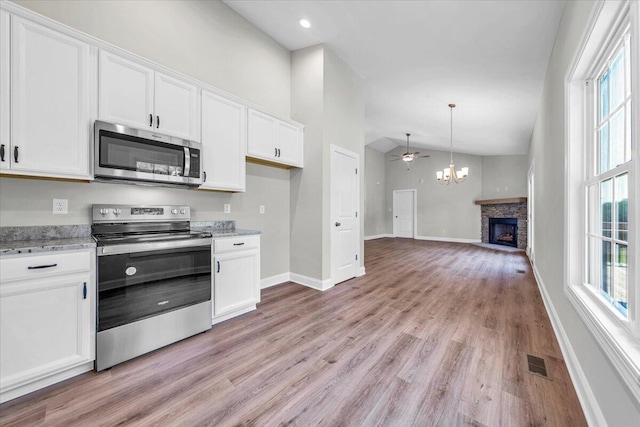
pixel 338 224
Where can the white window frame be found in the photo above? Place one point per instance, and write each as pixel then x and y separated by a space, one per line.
pixel 619 337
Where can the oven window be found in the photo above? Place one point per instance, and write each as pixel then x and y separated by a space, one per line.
pixel 135 286
pixel 137 154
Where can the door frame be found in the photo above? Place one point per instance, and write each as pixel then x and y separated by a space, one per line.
pixel 415 211
pixel 531 211
pixel 357 235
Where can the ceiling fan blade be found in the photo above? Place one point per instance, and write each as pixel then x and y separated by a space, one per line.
pixel 426 155
pixel 416 153
pixel 394 160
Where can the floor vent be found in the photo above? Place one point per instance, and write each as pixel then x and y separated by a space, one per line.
pixel 521 271
pixel 537 366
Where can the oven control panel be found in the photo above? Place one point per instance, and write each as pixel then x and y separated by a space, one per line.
pixel 133 213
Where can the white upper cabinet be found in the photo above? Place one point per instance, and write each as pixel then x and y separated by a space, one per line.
pixel 50 84
pixel 224 139
pixel 5 145
pixel 125 94
pixel 135 95
pixel 274 140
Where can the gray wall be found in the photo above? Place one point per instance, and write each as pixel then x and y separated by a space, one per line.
pixel 344 127
pixel 504 176
pixel 444 211
pixel 547 149
pixel 375 201
pixel 328 97
pixel 307 89
pixel 205 40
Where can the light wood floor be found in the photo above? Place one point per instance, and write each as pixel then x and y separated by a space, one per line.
pixel 435 334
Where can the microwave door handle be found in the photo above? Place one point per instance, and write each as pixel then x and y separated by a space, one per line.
pixel 187 161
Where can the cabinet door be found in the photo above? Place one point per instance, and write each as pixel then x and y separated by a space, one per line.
pixel 45 327
pixel 236 282
pixel 290 141
pixel 50 97
pixel 125 93
pixel 176 108
pixel 224 141
pixel 5 145
pixel 262 137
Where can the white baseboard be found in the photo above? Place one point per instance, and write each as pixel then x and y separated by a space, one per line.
pixel 590 407
pixel 361 272
pixel 275 280
pixel 378 236
pixel 448 239
pixel 320 285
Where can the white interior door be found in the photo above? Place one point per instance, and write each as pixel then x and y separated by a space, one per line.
pixel 403 213
pixel 345 228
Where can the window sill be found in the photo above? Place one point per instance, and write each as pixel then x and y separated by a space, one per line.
pixel 618 344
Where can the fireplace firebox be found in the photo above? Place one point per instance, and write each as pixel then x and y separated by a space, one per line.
pixel 503 231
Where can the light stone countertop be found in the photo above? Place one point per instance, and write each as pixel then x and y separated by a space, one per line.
pixel 25 240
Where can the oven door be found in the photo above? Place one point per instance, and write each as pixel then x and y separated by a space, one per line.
pixel 138 285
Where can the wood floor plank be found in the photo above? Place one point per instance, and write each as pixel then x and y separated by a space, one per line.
pixel 435 333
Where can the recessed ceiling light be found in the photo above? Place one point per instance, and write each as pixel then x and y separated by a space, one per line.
pixel 304 23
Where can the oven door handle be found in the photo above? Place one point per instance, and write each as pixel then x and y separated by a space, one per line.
pixel 149 247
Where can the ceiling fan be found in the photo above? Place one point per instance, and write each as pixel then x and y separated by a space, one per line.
pixel 408 156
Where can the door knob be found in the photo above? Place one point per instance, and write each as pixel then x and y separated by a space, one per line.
pixel 338 224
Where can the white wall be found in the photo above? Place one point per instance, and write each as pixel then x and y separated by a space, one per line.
pixel 205 40
pixel 547 149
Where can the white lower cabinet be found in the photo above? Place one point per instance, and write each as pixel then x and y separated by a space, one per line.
pixel 236 276
pixel 47 319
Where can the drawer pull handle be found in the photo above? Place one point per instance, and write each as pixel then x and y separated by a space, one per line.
pixel 84 291
pixel 238 244
pixel 38 267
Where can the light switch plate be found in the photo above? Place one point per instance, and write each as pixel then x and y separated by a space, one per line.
pixel 227 208
pixel 261 209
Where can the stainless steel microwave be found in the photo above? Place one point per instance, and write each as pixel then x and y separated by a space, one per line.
pixel 141 157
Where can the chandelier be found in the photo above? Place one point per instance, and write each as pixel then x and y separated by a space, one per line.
pixel 449 174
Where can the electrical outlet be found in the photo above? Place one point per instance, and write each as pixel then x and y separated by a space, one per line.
pixel 60 206
pixel 227 208
pixel 261 209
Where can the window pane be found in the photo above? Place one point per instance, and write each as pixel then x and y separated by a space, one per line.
pixel 606 198
pixel 622 204
pixel 617 81
pixel 605 269
pixel 604 95
pixel 616 139
pixel 627 64
pixel 603 142
pixel 620 285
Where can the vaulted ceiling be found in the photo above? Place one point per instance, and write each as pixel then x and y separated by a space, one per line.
pixel 416 57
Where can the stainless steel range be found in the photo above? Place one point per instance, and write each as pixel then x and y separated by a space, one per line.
pixel 154 279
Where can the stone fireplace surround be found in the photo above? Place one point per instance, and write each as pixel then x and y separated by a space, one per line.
pixel 515 207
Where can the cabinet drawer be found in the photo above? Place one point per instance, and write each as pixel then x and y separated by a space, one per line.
pixel 236 243
pixel 23 267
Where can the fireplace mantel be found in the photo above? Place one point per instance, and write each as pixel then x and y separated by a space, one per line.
pixel 501 201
